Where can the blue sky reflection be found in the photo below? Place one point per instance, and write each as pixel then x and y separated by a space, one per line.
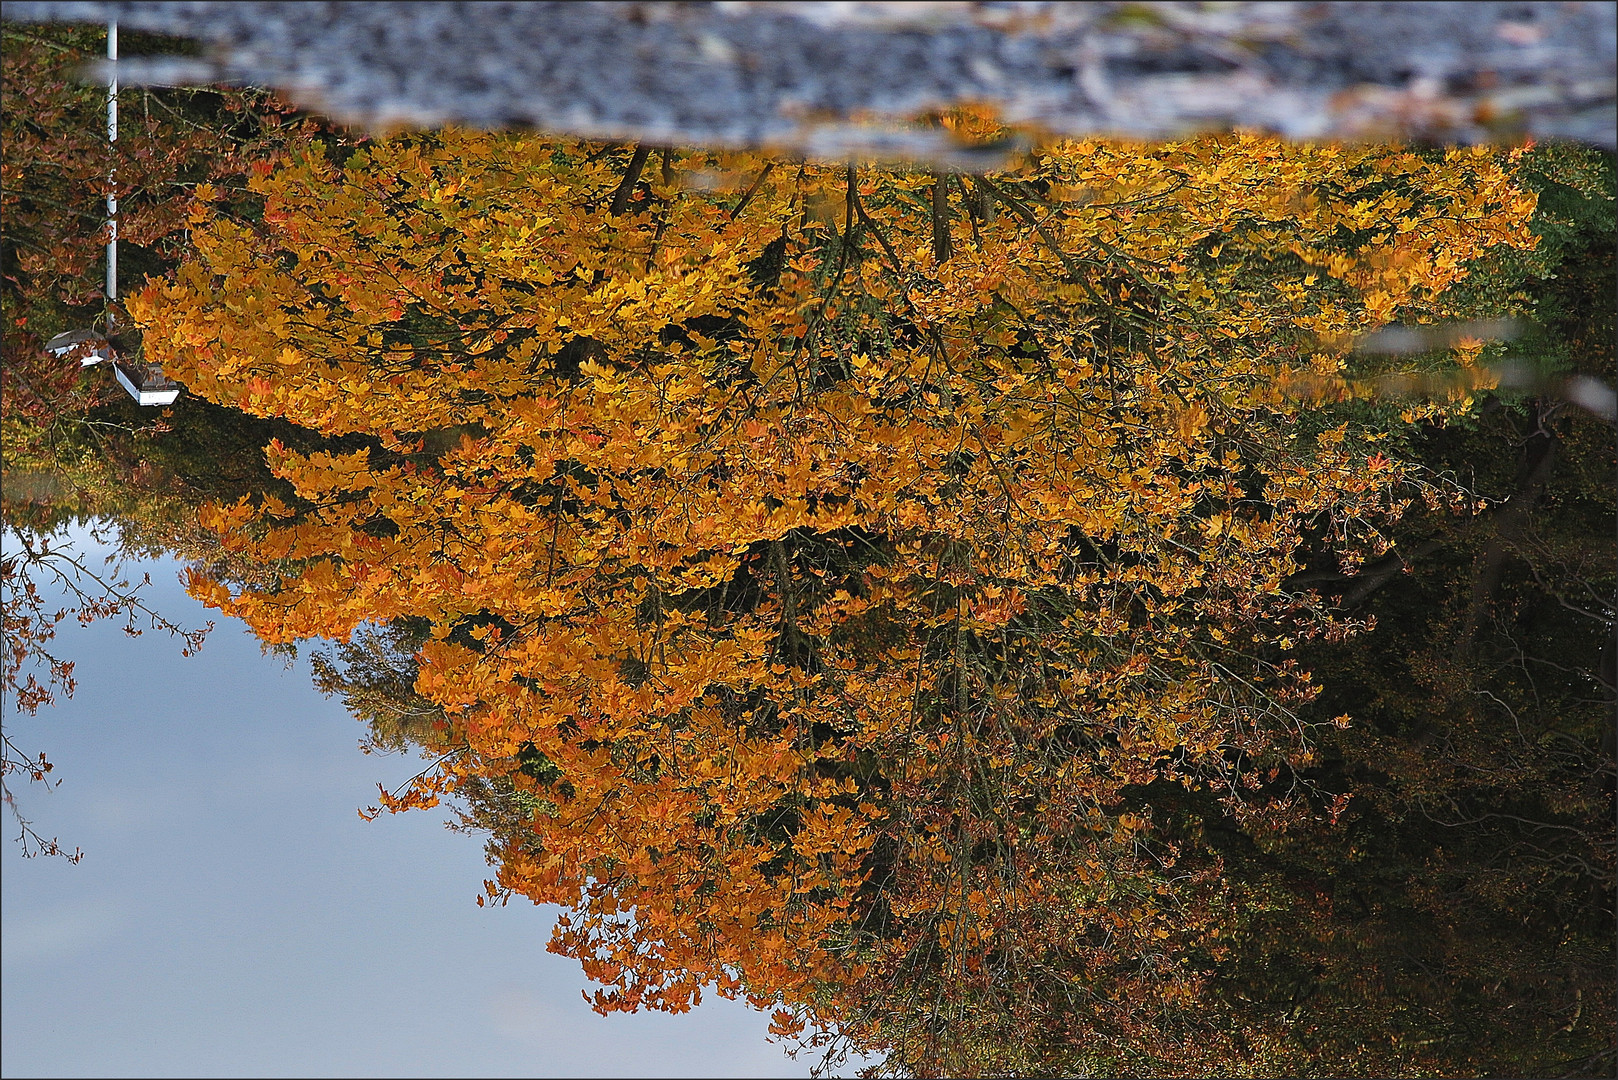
pixel 233 916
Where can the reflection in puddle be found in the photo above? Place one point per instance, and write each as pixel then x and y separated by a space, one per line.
pixel 912 600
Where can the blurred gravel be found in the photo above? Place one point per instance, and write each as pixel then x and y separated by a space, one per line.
pixel 833 79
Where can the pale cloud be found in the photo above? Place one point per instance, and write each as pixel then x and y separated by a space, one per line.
pixel 61 932
pixel 718 1038
pixel 525 1017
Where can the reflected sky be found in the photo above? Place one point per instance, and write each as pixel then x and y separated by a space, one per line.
pixel 233 916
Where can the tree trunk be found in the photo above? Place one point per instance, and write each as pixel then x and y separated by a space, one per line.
pixel 621 197
pixel 941 245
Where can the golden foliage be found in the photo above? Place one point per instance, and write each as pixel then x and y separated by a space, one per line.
pixel 833 602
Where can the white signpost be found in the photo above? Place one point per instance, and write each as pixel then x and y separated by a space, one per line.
pixel 112 173
pixel 145 383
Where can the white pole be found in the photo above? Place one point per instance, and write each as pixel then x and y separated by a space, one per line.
pixel 112 174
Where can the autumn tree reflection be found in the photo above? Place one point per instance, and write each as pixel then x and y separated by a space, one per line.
pixel 874 594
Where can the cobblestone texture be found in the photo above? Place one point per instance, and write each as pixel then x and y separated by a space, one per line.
pixel 795 76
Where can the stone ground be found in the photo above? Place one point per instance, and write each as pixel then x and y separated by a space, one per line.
pixel 836 79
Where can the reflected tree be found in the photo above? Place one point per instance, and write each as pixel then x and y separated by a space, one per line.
pixel 878 592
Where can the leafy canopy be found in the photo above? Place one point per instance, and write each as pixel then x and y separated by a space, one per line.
pixel 827 569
